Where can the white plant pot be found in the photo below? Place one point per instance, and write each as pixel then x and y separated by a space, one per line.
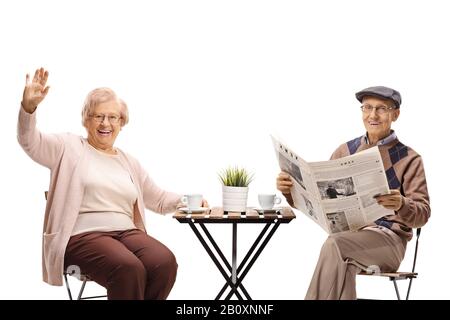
pixel 234 198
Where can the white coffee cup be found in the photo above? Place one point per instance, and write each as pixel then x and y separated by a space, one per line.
pixel 267 201
pixel 192 201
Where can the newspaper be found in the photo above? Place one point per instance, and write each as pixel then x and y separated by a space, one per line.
pixel 337 194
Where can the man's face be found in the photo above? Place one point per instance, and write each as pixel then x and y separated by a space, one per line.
pixel 378 120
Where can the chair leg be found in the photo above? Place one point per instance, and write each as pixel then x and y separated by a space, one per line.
pixel 82 289
pixel 68 287
pixel 396 289
pixel 409 288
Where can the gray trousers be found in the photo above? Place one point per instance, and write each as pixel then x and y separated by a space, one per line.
pixel 344 255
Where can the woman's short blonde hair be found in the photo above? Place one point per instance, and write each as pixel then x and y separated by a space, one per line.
pixel 101 95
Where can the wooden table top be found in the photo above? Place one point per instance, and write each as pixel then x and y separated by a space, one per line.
pixel 217 215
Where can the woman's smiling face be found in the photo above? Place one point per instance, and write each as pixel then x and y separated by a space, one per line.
pixel 104 124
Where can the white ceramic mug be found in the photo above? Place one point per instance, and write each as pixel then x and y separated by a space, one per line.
pixel 192 201
pixel 268 201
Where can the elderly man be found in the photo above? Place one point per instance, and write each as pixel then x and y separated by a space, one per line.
pixel 382 243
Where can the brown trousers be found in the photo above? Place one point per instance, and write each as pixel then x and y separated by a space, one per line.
pixel 344 255
pixel 129 264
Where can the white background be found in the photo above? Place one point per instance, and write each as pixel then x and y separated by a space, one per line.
pixel 206 83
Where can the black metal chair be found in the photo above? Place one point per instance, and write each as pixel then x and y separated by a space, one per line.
pixel 80 276
pixel 394 276
pixel 83 278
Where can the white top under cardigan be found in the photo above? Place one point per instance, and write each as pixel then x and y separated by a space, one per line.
pixel 109 195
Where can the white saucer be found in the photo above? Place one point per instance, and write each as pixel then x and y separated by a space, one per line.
pixel 273 210
pixel 193 210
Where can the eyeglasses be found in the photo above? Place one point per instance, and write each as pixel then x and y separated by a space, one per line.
pixel 113 119
pixel 367 108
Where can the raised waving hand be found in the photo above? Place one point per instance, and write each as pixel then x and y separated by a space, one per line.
pixel 35 90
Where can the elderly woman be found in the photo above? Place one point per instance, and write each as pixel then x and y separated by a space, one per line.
pixel 97 196
pixel 382 243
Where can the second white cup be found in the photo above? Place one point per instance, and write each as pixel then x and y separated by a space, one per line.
pixel 268 201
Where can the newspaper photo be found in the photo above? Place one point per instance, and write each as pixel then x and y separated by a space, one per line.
pixel 337 194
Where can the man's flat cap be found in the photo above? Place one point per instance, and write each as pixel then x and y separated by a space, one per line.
pixel 381 92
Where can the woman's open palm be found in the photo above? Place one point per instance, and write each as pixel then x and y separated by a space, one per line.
pixel 35 90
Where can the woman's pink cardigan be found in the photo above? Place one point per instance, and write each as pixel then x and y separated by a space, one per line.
pixel 65 156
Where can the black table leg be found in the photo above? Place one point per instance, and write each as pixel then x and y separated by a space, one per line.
pixel 234 281
pixel 225 261
pixel 252 261
pixel 213 257
pixel 244 261
pixel 234 253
